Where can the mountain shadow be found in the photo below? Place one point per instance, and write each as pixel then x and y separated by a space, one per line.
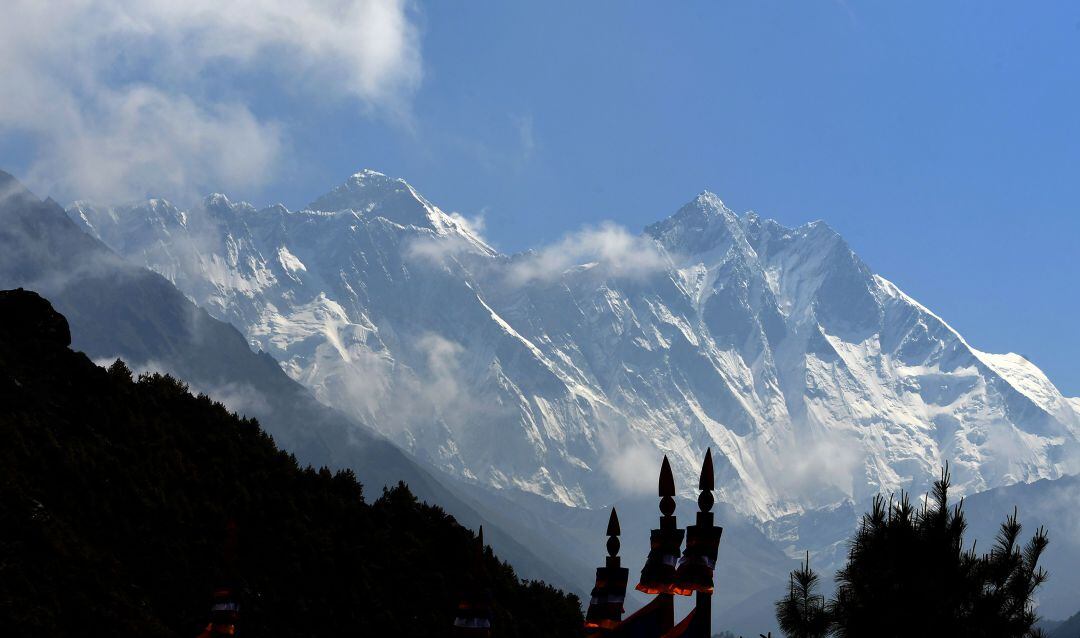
pixel 115 493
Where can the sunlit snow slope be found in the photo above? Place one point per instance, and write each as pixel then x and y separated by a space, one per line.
pixel 813 379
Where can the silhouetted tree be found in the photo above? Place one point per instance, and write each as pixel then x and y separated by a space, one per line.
pixel 802 613
pixel 907 574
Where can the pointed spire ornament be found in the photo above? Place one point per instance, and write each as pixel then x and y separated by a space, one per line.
pixel 606 605
pixel 658 574
pixel 667 481
pixel 695 569
pixel 705 483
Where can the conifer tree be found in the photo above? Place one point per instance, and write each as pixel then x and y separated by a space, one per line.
pixel 802 613
pixel 908 574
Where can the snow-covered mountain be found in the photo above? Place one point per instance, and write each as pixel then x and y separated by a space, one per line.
pixel 564 371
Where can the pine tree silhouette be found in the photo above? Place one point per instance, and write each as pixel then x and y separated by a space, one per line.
pixel 802 613
pixel 908 574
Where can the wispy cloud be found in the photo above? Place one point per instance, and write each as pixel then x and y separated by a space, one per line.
pixel 437 249
pixel 608 249
pixel 622 459
pixel 608 246
pixel 474 225
pixel 115 97
pixel 814 470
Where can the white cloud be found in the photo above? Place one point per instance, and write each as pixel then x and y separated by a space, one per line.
pixel 817 469
pixel 148 142
pixel 608 246
pixel 473 225
pixel 115 95
pixel 624 463
pixel 437 250
pixel 443 386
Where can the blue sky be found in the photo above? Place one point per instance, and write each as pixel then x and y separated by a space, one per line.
pixel 941 139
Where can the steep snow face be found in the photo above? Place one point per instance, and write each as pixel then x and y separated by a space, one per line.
pixel 813 379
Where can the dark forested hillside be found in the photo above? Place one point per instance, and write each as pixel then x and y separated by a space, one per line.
pixel 115 493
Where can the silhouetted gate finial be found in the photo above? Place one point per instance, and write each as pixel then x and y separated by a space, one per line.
pixel 658 574
pixel 705 483
pixel 695 570
pixel 606 605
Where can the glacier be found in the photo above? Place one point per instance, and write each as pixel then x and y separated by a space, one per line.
pixel 565 371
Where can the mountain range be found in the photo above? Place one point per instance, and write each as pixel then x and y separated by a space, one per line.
pixel 119 309
pixel 558 371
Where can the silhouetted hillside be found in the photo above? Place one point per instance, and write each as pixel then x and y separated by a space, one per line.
pixel 115 493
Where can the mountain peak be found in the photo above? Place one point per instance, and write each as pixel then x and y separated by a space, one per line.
pixel 373 194
pixel 368 179
pixel 709 200
pixel 370 174
pixel 217 200
pixel 365 184
pixel 700 225
pixel 219 203
pixel 706 208
pixel 370 192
